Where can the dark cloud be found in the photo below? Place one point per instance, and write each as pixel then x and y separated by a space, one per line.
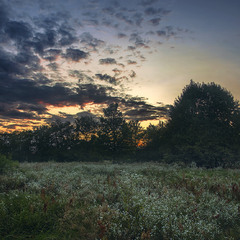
pixel 63 117
pixel 109 10
pixel 25 98
pixel 9 65
pixel 28 61
pixel 155 21
pixel 137 39
pixel 90 42
pixel 156 11
pixel 41 79
pixel 138 19
pixel 41 41
pixel 141 114
pixel 167 32
pixel 39 108
pixel 107 61
pixel 148 2
pixel 138 109
pixel 15 114
pixel 97 94
pixel 133 74
pixel 75 54
pixel 30 76
pixel 112 49
pixel 131 48
pixel 53 20
pixel 53 66
pixel 122 35
pixel 117 71
pixel 124 18
pixel 18 31
pixel 130 62
pixel 82 77
pixel 107 78
pixel 170 31
pixel 92 22
pixel 3 14
pixel 52 54
pixel 67 35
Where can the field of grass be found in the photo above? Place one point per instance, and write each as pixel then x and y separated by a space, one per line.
pixel 119 201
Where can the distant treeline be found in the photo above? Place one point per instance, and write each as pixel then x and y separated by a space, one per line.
pixel 203 128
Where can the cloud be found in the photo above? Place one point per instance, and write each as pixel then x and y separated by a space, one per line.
pixel 133 74
pixel 138 109
pixel 138 19
pixel 63 117
pixel 82 77
pixel 155 21
pixel 90 42
pixel 53 66
pixel 4 11
pixel 9 65
pixel 130 62
pixel 33 43
pixel 124 18
pixel 52 54
pixel 75 54
pixel 107 78
pixel 117 71
pixel 67 35
pixel 138 40
pixel 167 32
pixel 109 10
pixel 148 2
pixel 16 114
pixel 122 35
pixel 131 48
pixel 156 11
pixel 18 31
pixel 97 94
pixel 107 61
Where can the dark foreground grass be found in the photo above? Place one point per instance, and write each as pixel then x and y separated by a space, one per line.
pixel 110 202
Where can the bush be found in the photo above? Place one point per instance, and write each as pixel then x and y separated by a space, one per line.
pixel 6 164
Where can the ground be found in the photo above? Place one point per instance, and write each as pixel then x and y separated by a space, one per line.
pixel 119 201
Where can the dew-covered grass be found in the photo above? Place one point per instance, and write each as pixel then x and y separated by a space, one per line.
pixel 119 201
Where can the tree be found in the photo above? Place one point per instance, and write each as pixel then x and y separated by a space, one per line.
pixel 202 123
pixel 86 127
pixel 112 124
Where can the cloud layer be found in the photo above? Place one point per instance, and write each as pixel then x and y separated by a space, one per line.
pixel 53 55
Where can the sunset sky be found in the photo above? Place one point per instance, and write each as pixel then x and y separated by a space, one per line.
pixel 62 59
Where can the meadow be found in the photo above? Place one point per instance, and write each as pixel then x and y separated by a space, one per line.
pixel 108 201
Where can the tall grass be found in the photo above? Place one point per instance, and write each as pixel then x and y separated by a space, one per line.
pixel 111 201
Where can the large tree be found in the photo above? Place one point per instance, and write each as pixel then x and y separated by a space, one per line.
pixel 203 123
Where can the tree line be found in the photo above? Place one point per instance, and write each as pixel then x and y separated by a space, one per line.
pixel 203 127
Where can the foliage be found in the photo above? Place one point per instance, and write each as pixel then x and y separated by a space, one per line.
pixel 6 164
pixel 127 201
pixel 203 125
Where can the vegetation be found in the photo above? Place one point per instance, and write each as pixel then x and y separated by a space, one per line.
pixel 192 191
pixel 6 164
pixel 203 127
pixel 111 201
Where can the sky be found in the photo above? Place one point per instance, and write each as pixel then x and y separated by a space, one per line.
pixel 63 59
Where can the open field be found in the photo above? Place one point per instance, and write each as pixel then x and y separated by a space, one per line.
pixel 119 201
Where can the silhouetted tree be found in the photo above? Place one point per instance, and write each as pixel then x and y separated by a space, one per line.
pixel 201 124
pixel 112 124
pixel 86 127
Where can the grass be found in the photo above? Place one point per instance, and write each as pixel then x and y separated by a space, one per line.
pixel 111 201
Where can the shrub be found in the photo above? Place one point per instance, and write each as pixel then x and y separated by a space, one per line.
pixel 6 164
